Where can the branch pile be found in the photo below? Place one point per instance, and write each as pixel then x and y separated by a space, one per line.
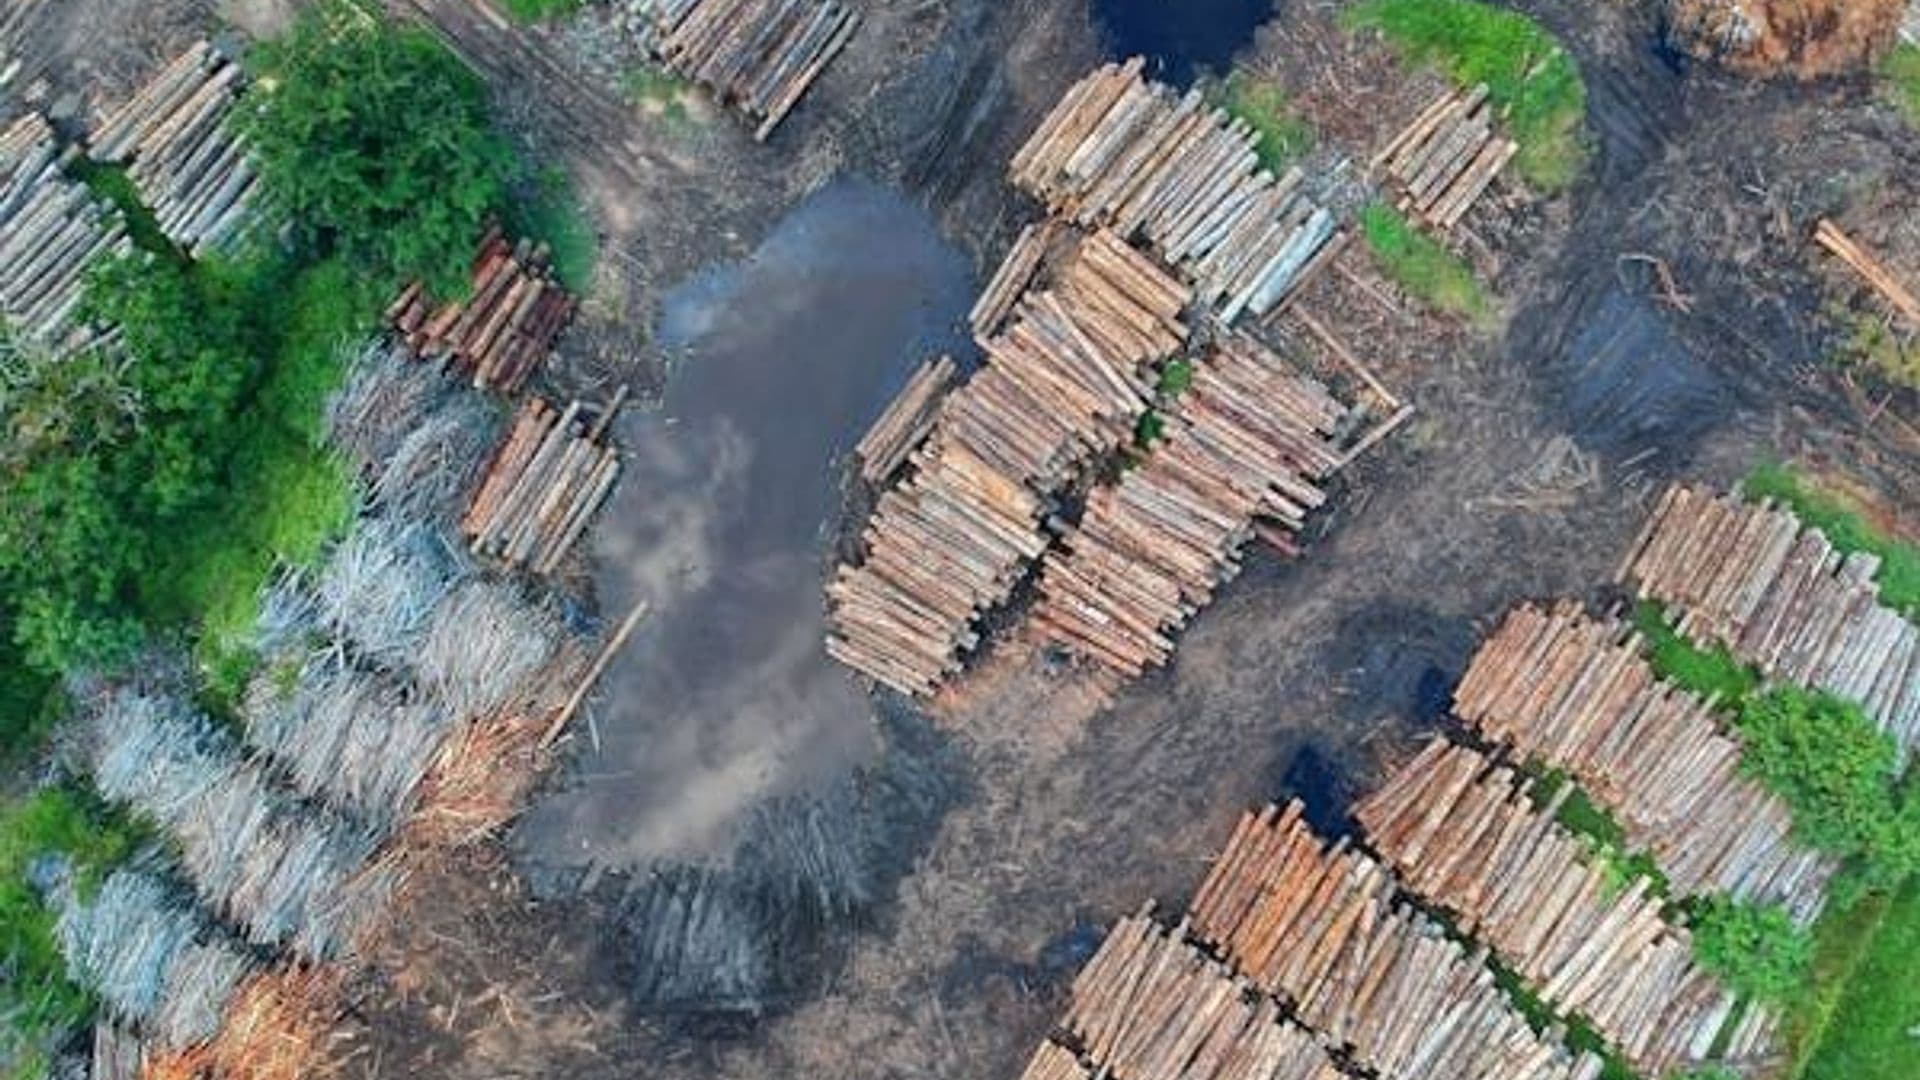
pixel 758 55
pixel 191 167
pixel 1776 593
pixel 1321 928
pixel 552 472
pixel 1127 153
pixel 1446 158
pixel 1065 380
pixel 1466 835
pixel 1574 693
pixel 1803 38
pixel 503 330
pixel 1249 439
pixel 51 230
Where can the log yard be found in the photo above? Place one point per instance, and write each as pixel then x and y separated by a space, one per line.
pixel 959 539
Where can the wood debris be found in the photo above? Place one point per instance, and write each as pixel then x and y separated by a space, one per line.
pixel 1871 270
pixel 1132 154
pixel 505 328
pixel 51 230
pixel 1064 381
pixel 551 473
pixel 1574 693
pixel 1467 835
pixel 1321 928
pixel 1243 450
pixel 1780 596
pixel 907 421
pixel 1446 158
pixel 1150 1005
pixel 759 56
pixel 188 163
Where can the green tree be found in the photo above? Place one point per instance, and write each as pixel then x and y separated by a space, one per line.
pixel 374 140
pixel 1754 948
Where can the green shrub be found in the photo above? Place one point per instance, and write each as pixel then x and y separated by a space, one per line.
pixel 1899 575
pixel 1901 74
pixel 1755 949
pixel 1529 77
pixel 375 142
pixel 1706 672
pixel 111 182
pixel 1176 377
pixel 549 209
pixel 1149 429
pixel 1282 137
pixel 1421 266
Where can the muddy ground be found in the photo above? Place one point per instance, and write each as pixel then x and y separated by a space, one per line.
pixel 1534 454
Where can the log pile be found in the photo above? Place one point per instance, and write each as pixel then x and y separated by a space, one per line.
pixel 191 167
pixel 1065 380
pixel 1248 440
pixel 1574 694
pixel 51 230
pixel 1010 281
pixel 1150 1005
pixel 907 422
pixel 1055 1062
pixel 552 472
pixel 1125 152
pixel 1446 158
pixel 758 55
pixel 504 329
pixel 1467 835
pixel 1780 596
pixel 1871 270
pixel 1321 928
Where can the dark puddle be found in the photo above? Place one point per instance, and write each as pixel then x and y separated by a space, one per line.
pixel 1632 388
pixel 1180 38
pixel 1400 661
pixel 725 700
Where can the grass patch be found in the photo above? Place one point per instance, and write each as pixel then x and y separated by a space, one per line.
pixel 1899 574
pixel 111 183
pixel 1866 1001
pixel 1900 75
pixel 1868 340
pixel 658 91
pixel 1418 264
pixel 40 1003
pixel 552 213
pixel 1706 672
pixel 1579 1035
pixel 1530 79
pixel 1282 138
pixel 536 10
pixel 1605 838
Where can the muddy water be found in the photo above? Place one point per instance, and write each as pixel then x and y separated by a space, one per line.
pixel 725 698
pixel 1180 38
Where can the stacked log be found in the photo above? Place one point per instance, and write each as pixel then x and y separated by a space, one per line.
pixel 1871 270
pixel 1149 1005
pixel 1055 1062
pixel 1321 928
pixel 1064 381
pixel 51 231
pixel 189 164
pixel 1249 439
pixel 1574 694
pixel 1446 158
pixel 758 55
pixel 907 421
pixel 1010 281
pixel 1466 835
pixel 543 486
pixel 504 329
pixel 1125 152
pixel 1780 596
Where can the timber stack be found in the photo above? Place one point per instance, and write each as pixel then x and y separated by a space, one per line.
pixel 51 230
pixel 906 422
pixel 759 56
pixel 1064 381
pixel 552 472
pixel 1871 270
pixel 1468 836
pixel 188 163
pixel 1780 596
pixel 1443 161
pixel 1321 927
pixel 1151 1005
pixel 1248 441
pixel 505 328
pixel 1568 692
pixel 1010 281
pixel 1131 154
